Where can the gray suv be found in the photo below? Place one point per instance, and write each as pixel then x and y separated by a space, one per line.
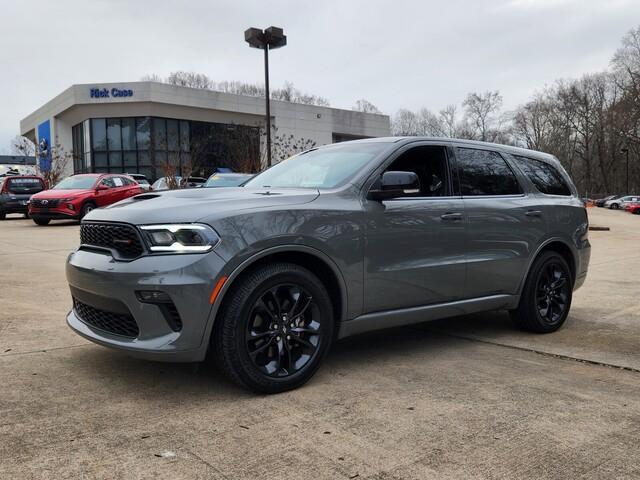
pixel 332 242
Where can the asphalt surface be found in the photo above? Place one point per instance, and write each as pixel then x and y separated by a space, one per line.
pixel 468 397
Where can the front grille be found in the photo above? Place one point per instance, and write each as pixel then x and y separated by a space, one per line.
pixel 45 203
pixel 116 323
pixel 124 239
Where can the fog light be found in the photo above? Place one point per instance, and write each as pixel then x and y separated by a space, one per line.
pixel 153 296
pixel 70 206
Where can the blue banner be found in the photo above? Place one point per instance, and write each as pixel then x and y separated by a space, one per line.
pixel 44 146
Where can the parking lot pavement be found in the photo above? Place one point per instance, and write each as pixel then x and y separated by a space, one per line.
pixel 459 398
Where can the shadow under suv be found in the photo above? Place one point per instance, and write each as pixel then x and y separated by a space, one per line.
pixel 335 241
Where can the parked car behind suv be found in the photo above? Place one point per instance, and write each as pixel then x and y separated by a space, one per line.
pixel 141 180
pixel 77 195
pixel 601 201
pixel 191 182
pixel 633 207
pixel 15 192
pixel 621 202
pixel 336 241
pixel 227 179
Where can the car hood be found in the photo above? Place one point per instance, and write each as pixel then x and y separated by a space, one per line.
pixel 198 204
pixel 49 194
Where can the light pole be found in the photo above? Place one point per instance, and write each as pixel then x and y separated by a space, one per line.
pixel 269 39
pixel 625 150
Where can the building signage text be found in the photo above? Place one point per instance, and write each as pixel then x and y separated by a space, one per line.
pixel 106 93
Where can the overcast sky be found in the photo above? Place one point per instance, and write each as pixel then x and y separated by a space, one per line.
pixel 397 54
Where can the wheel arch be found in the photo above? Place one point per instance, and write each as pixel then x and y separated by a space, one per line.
pixel 86 202
pixel 554 245
pixel 313 259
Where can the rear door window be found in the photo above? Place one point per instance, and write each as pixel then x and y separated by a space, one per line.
pixel 546 178
pixel 24 185
pixel 483 172
pixel 108 182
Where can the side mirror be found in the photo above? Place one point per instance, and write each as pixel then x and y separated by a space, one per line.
pixel 101 187
pixel 395 184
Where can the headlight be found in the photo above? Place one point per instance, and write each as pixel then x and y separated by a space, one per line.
pixel 180 238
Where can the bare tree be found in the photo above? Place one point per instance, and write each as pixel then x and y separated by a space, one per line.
pixel 365 106
pixel 287 93
pixel 58 156
pixel 190 79
pixel 482 113
pixel 22 146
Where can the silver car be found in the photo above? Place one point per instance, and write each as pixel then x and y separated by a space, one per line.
pixel 336 241
pixel 621 202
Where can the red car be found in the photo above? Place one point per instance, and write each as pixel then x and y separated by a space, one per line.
pixel 77 195
pixel 633 208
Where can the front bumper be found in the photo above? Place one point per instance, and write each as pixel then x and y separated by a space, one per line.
pixel 96 279
pixel 14 206
pixel 52 215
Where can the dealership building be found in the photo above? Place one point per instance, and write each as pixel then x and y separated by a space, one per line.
pixel 141 127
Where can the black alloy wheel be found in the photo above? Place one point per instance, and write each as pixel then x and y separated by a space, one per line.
pixel 552 292
pixel 546 295
pixel 284 330
pixel 274 327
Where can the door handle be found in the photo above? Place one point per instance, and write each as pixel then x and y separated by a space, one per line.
pixel 451 216
pixel 533 213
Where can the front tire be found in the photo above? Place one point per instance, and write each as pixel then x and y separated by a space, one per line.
pixel 274 328
pixel 546 296
pixel 86 208
pixel 615 206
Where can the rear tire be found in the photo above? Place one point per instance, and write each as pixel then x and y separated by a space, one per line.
pixel 41 221
pixel 615 206
pixel 3 215
pixel 546 297
pixel 274 328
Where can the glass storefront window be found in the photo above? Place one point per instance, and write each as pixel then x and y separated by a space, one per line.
pixel 128 134
pixel 115 161
pixel 173 136
pixel 130 161
pixel 184 136
pixel 146 144
pixel 99 134
pixel 100 160
pixel 160 133
pixel 144 158
pixel 114 141
pixel 143 133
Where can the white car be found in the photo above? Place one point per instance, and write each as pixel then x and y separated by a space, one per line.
pixel 621 202
pixel 142 181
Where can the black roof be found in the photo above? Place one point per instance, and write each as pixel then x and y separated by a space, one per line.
pixel 505 148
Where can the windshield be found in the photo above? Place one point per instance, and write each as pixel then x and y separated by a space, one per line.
pixel 326 167
pixel 76 183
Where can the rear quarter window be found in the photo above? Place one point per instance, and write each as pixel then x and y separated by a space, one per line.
pixel 483 172
pixel 544 176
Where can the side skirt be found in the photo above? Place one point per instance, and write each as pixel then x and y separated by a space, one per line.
pixel 408 316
